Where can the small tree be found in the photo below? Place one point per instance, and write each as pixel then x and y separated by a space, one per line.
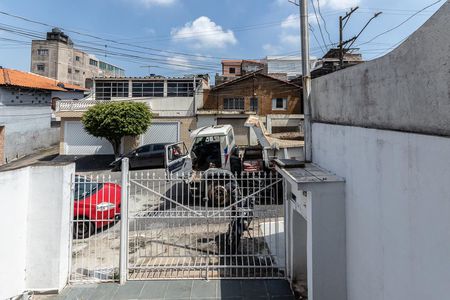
pixel 114 120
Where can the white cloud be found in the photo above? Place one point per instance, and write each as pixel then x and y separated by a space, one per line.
pixel 149 3
pixel 339 4
pixel 290 39
pixel 271 49
pixel 204 33
pixel 292 21
pixel 178 63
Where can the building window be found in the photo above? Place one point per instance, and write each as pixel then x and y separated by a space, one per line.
pixel 93 62
pixel 77 58
pixel 77 71
pixel 43 52
pixel 40 67
pixel 233 103
pixel 232 70
pixel 105 90
pixel 69 70
pixel 180 89
pixel 148 89
pixel 279 104
pixel 254 104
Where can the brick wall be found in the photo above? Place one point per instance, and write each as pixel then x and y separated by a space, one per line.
pixel 262 87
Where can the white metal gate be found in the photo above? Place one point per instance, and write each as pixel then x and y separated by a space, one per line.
pixel 210 226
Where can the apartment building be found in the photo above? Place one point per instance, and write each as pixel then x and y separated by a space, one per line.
pixel 56 57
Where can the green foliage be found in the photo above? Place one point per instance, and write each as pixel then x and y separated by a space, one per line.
pixel 114 120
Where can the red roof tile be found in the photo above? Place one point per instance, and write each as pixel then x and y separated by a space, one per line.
pixel 10 77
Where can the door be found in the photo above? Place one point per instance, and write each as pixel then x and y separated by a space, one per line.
pixel 241 133
pixel 177 158
pixel 140 157
pixel 78 142
pixel 163 132
pixel 158 154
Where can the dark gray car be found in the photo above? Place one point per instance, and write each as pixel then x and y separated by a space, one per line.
pixel 145 157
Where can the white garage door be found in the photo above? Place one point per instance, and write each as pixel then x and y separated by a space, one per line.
pixel 240 131
pixel 164 132
pixel 78 142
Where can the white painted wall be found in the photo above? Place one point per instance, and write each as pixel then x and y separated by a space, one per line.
pixel 35 228
pixel 27 129
pixel 397 209
pixel 13 230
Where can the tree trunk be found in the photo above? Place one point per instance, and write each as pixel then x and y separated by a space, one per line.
pixel 116 146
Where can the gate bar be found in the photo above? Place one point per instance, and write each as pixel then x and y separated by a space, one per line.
pixel 124 222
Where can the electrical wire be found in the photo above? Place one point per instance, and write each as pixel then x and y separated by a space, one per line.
pixel 318 22
pixel 324 22
pixel 400 24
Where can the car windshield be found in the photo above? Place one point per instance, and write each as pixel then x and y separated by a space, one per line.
pixel 85 188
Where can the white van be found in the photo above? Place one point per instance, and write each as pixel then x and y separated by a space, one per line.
pixel 211 148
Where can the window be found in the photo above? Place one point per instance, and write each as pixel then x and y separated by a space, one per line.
pixel 148 89
pixel 43 52
pixel 279 104
pixel 143 149
pixel 77 58
pixel 93 62
pixel 69 70
pixel 180 89
pixel 232 70
pixel 158 147
pixel 254 104
pixel 77 71
pixel 105 90
pixel 40 67
pixel 233 103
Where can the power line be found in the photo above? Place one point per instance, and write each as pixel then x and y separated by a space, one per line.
pixel 324 22
pixel 318 22
pixel 397 26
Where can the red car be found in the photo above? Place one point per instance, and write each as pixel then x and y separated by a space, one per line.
pixel 96 205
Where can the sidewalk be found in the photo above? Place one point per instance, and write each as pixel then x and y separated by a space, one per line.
pixel 42 155
pixel 179 289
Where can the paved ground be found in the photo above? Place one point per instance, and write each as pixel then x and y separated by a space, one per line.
pixel 179 289
pixel 42 155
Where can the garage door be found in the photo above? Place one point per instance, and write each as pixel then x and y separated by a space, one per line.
pixel 78 142
pixel 240 131
pixel 164 132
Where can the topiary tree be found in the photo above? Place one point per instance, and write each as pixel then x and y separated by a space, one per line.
pixel 114 120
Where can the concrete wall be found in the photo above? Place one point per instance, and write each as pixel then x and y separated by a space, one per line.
pixel 35 228
pixel 406 90
pixel 27 129
pixel 13 229
pixel 368 121
pixel 397 207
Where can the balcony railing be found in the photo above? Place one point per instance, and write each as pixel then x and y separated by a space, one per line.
pixel 83 105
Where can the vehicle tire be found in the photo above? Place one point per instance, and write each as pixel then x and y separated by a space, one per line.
pixel 219 194
pixel 83 228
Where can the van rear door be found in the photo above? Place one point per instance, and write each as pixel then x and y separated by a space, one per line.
pixel 177 158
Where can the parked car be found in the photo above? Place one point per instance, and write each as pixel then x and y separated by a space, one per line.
pixel 96 205
pixel 144 157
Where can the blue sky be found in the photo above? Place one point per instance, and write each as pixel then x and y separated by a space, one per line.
pixel 191 36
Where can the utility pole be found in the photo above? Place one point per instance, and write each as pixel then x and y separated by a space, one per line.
pixel 306 77
pixel 341 34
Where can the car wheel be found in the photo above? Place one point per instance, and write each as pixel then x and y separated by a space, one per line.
pixel 82 229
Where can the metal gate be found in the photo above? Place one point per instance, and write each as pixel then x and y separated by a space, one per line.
pixel 206 225
pixel 210 225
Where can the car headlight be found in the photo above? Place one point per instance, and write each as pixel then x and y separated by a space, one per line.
pixel 104 206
